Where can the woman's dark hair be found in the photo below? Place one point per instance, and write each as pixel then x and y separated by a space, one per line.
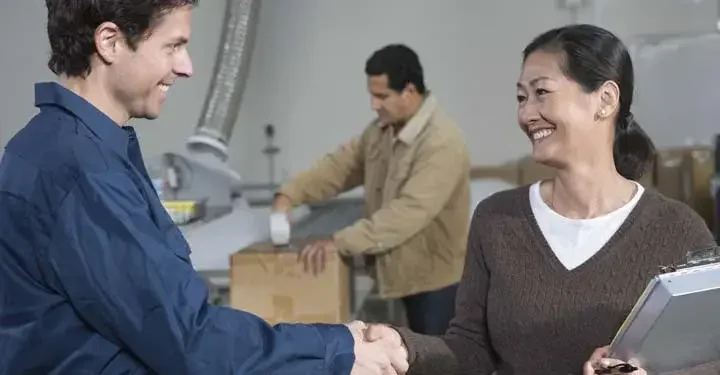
pixel 592 56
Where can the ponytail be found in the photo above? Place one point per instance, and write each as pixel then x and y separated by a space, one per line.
pixel 633 150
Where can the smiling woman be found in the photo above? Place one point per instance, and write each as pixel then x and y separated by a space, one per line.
pixel 566 88
pixel 553 268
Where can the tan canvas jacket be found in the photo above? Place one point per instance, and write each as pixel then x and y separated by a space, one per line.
pixel 417 199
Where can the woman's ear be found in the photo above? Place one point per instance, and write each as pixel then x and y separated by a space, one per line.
pixel 609 99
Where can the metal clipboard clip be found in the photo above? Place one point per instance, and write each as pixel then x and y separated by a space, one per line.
pixel 694 258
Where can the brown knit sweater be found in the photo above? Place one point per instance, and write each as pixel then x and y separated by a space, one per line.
pixel 521 312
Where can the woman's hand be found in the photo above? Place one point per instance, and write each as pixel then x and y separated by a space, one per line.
pixel 599 361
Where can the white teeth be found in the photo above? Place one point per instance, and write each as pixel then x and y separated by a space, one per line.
pixel 540 134
pixel 164 87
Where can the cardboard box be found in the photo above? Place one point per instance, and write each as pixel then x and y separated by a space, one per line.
pixel 270 283
pixel 669 173
pixel 685 174
pixel 648 179
pixel 699 164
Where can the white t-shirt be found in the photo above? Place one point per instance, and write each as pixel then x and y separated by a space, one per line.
pixel 574 241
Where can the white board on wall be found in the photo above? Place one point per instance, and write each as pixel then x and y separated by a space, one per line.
pixel 654 19
pixel 678 90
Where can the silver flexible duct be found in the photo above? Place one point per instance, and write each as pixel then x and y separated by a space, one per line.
pixel 232 66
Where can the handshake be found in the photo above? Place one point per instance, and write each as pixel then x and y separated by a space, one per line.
pixel 379 350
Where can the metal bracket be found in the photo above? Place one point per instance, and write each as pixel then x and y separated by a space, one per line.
pixel 573 7
pixel 572 4
pixel 695 258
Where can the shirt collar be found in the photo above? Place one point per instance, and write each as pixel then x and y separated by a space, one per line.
pixel 417 122
pixel 53 94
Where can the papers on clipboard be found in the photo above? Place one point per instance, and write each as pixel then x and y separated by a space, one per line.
pixel 675 323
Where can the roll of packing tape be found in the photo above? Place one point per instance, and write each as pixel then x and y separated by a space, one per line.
pixel 279 228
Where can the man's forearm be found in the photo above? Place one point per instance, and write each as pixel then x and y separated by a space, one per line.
pixel 335 173
pixel 233 341
pixel 311 187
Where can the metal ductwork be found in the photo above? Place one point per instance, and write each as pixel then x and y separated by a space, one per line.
pixel 202 174
pixel 232 67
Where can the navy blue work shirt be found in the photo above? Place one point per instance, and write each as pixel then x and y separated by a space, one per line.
pixel 96 279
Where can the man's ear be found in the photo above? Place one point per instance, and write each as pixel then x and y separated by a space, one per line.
pixel 410 88
pixel 109 41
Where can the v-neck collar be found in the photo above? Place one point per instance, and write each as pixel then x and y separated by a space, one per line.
pixel 604 251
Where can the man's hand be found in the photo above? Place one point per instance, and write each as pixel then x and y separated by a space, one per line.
pixel 315 255
pixel 376 358
pixel 282 203
pixel 381 332
pixel 599 361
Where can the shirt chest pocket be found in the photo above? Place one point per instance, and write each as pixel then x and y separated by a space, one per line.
pixel 400 169
pixel 375 170
pixel 177 243
pixel 388 166
pixel 171 234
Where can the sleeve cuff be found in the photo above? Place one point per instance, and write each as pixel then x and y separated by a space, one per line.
pixel 353 241
pixel 346 247
pixel 409 341
pixel 427 354
pixel 288 193
pixel 339 348
pixel 342 244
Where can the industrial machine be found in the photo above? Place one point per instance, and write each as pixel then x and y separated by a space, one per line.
pixel 203 194
pixel 218 219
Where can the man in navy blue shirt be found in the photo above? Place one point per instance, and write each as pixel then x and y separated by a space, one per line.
pixel 94 276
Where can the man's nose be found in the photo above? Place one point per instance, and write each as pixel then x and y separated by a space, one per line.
pixel 184 66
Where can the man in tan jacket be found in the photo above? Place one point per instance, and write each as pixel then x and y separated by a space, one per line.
pixel 414 165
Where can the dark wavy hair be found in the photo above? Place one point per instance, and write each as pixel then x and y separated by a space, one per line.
pixel 71 27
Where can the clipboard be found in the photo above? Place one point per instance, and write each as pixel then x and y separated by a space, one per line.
pixel 675 323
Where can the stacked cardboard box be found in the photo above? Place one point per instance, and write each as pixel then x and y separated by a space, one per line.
pixel 686 174
pixel 269 282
